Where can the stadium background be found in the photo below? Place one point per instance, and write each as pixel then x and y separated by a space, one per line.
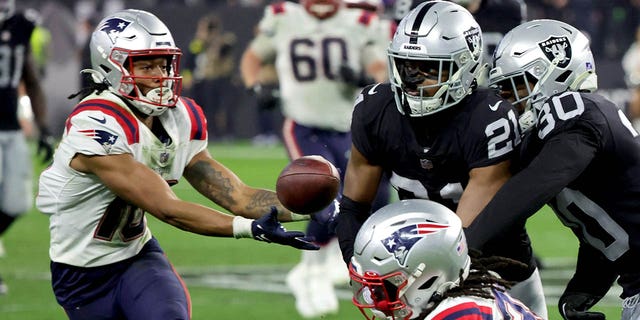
pixel 243 279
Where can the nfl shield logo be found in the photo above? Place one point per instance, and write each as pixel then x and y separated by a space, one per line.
pixel 426 164
pixel 164 158
pixel 557 50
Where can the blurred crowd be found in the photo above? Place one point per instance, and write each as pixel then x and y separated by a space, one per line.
pixel 214 33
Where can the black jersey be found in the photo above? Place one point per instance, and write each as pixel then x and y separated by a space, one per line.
pixel 430 157
pixel 583 159
pixel 15 34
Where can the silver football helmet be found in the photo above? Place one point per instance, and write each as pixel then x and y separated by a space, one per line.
pixel 120 39
pixel 437 40
pixel 7 9
pixel 405 254
pixel 545 57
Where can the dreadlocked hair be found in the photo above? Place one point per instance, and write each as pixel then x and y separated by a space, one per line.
pixel 89 89
pixel 484 275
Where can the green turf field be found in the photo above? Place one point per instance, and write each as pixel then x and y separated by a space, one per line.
pixel 233 279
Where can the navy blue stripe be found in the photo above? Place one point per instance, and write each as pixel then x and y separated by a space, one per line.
pixel 196 115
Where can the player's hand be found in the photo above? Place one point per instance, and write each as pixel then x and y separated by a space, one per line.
pixel 574 306
pixel 268 229
pixel 328 217
pixel 350 76
pixel 267 95
pixel 45 146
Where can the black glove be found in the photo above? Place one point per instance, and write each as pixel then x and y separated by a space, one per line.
pixel 45 145
pixel 574 306
pixel 267 95
pixel 268 229
pixel 348 75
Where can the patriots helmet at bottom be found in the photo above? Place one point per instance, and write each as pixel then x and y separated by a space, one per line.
pixel 406 253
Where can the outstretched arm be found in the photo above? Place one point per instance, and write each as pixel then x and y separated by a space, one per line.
pixel 216 182
pixel 360 187
pixel 560 161
pixel 139 185
pixel 483 184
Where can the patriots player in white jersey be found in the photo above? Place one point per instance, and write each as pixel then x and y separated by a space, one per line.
pixel 411 261
pixel 129 139
pixel 321 50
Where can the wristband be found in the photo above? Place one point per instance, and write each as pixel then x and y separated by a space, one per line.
pixel 242 227
pixel 300 217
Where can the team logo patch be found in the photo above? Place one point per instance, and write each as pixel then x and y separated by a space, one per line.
pixel 474 41
pixel 557 50
pixel 401 241
pixel 113 27
pixel 104 138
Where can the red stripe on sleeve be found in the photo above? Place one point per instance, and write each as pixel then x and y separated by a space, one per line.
pixel 125 119
pixel 465 311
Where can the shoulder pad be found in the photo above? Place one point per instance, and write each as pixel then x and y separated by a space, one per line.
pixel 125 119
pixel 197 118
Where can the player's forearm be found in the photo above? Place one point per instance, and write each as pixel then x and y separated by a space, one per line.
pixel 250 66
pixel 36 95
pixel 195 218
pixel 255 203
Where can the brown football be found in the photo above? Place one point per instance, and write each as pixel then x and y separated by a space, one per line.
pixel 308 184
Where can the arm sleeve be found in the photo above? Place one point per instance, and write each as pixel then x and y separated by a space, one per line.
pixel 560 161
pixel 594 273
pixel 351 217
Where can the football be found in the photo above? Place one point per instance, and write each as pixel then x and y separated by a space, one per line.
pixel 308 184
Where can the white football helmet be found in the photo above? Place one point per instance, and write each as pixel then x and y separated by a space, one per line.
pixel 132 34
pixel 435 36
pixel 7 9
pixel 404 255
pixel 551 55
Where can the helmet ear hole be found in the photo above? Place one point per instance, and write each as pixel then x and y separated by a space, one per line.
pixel 564 76
pixel 105 68
pixel 427 284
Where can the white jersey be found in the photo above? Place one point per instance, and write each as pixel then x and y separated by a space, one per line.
pixel 89 225
pixel 308 54
pixel 503 307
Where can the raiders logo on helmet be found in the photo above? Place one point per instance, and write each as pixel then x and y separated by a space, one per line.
pixel 474 41
pixel 557 50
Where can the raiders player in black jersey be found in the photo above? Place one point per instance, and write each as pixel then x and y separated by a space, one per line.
pixel 16 66
pixel 436 134
pixel 581 156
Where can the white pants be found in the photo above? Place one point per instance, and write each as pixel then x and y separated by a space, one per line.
pixel 530 293
pixel 631 308
pixel 16 171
